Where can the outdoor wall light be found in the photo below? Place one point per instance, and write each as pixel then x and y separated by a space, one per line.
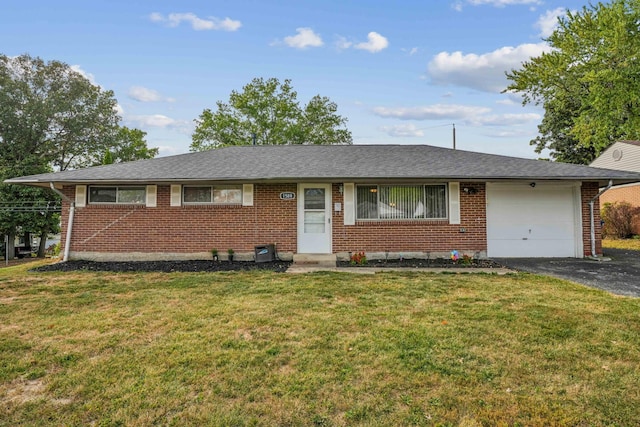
pixel 341 188
pixel 469 190
pixel 533 185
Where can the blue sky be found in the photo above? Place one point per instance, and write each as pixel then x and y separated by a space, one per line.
pixel 401 72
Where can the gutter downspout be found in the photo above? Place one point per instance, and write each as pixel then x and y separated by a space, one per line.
pixel 591 217
pixel 72 210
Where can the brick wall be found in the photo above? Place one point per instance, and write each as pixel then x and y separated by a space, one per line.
pixel 419 235
pixel 186 229
pixel 588 191
pixel 197 229
pixel 629 194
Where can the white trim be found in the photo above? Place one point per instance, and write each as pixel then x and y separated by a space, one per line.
pixel 247 194
pixel 576 199
pixel 349 195
pixel 454 203
pixel 323 244
pixel 176 195
pixel 81 196
pixel 152 196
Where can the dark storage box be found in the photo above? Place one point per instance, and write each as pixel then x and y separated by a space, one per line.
pixel 265 253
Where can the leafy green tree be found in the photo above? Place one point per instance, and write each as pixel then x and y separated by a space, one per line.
pixel 129 145
pixel 588 83
pixel 53 113
pixel 52 118
pixel 268 112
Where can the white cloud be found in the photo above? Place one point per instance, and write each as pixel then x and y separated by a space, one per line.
pixel 304 38
pixel 84 74
pixel 404 130
pixel 485 72
pixel 198 24
pixel 155 120
pixel 463 114
pixel 431 112
pixel 375 43
pixel 411 51
pixel 342 43
pixel 143 94
pixel 548 22
pixel 508 119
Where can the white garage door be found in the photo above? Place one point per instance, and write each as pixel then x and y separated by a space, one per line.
pixel 533 221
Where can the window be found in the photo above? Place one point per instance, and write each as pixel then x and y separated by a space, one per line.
pixel 401 201
pixel 117 195
pixel 207 194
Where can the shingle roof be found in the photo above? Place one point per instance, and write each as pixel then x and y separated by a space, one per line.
pixel 296 163
pixel 637 143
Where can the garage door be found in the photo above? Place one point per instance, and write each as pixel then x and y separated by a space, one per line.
pixel 541 220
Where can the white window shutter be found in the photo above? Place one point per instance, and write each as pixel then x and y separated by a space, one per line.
pixel 454 203
pixel 176 195
pixel 247 194
pixel 349 193
pixel 81 196
pixel 152 196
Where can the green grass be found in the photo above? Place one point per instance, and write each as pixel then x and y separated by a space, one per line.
pixel 325 349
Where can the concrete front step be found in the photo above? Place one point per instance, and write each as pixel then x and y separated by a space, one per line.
pixel 315 260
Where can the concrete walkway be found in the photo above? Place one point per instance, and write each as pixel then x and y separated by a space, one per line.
pixel 301 269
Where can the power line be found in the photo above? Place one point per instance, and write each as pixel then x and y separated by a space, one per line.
pixel 49 207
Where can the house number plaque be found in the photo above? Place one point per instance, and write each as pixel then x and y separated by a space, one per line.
pixel 287 195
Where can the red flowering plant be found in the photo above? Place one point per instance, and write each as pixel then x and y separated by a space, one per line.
pixel 359 258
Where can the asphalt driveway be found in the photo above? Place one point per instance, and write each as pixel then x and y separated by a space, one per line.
pixel 619 276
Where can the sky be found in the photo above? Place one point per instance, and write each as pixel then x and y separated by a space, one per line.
pixel 401 72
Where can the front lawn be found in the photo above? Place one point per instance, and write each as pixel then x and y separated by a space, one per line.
pixel 633 244
pixel 262 348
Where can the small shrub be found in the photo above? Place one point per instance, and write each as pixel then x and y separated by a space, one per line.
pixel 359 258
pixel 617 219
pixel 467 259
pixel 53 250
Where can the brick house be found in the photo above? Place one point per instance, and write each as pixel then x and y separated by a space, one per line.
pixel 386 200
pixel 622 155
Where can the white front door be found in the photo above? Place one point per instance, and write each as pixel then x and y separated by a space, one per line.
pixel 314 218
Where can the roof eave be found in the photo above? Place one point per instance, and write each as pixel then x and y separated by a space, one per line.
pixel 602 180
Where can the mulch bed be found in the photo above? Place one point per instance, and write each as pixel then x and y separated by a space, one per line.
pixel 425 263
pixel 277 266
pixel 166 266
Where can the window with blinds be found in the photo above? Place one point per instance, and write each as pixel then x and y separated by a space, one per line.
pixel 208 194
pixel 401 201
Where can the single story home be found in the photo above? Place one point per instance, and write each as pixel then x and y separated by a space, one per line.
pixel 622 155
pixel 385 200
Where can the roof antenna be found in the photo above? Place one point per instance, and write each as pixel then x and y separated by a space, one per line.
pixel 454 135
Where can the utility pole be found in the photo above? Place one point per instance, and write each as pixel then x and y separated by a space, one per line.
pixel 454 135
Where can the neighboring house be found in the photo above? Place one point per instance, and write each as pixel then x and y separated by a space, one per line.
pixel 622 155
pixel 386 200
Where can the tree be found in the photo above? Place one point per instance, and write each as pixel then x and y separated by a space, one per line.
pixel 54 113
pixel 129 145
pixel 268 112
pixel 52 118
pixel 588 83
